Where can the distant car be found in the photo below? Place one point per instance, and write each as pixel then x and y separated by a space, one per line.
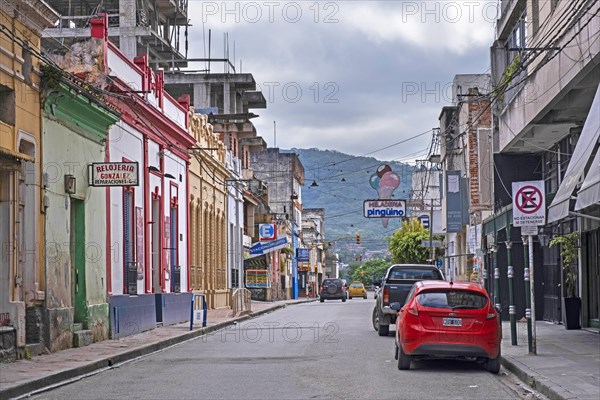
pixel 333 289
pixel 442 319
pixel 357 289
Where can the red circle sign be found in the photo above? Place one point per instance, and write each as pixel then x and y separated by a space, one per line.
pixel 525 200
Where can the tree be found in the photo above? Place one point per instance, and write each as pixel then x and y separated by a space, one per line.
pixel 569 253
pixel 372 270
pixel 405 245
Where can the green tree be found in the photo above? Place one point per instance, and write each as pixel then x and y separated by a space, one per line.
pixel 405 244
pixel 372 270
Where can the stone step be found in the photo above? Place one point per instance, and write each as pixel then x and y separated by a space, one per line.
pixel 77 326
pixel 83 338
pixel 35 349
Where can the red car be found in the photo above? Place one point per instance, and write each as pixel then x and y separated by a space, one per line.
pixel 442 319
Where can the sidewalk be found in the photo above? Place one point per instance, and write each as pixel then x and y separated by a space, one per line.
pixel 567 364
pixel 26 376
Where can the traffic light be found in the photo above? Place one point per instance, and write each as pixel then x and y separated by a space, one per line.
pixel 357 239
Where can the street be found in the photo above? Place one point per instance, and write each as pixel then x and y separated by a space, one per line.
pixel 311 350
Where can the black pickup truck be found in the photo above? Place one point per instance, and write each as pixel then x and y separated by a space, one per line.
pixel 397 282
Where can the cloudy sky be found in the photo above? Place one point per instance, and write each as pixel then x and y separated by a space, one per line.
pixel 358 77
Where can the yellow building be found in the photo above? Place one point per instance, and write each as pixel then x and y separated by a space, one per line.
pixel 22 291
pixel 208 220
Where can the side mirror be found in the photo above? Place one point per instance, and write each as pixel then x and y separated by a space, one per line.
pixel 396 306
pixel 498 309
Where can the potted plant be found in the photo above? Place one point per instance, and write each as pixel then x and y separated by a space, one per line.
pixel 568 251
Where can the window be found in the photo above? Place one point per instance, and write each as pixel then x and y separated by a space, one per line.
pixel 7 105
pixel 414 274
pixel 535 16
pixel 454 299
pixel 516 39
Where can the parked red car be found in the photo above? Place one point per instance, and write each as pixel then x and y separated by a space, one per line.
pixel 442 319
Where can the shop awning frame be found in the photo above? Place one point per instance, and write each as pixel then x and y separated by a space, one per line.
pixel 588 141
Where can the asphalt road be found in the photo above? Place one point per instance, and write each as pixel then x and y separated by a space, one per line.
pixel 306 351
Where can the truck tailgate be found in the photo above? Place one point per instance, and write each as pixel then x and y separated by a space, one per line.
pixel 398 290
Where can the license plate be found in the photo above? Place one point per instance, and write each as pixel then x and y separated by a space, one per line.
pixel 452 321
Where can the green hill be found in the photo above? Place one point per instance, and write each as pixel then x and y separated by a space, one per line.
pixel 343 186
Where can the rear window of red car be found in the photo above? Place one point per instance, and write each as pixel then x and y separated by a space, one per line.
pixel 452 299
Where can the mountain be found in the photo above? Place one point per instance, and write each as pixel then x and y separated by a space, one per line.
pixel 343 185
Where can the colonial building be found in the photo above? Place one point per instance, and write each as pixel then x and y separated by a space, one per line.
pixel 208 214
pixel 23 289
pixel 144 178
pixel 313 238
pixel 75 131
pixel 226 99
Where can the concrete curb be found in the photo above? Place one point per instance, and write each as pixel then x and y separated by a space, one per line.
pixel 63 377
pixel 535 380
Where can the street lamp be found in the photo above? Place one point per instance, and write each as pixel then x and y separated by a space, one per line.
pixel 544 236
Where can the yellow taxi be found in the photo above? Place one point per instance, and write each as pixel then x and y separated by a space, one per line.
pixel 357 289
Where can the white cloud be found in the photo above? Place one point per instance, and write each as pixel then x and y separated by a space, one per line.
pixel 452 26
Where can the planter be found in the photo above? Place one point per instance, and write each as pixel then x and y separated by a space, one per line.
pixel 572 312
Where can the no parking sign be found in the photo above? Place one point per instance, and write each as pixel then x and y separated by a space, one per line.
pixel 529 203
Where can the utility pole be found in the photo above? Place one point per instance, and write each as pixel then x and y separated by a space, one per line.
pixel 532 294
pixel 431 248
pixel 527 293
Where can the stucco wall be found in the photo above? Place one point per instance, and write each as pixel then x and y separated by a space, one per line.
pixel 125 143
pixel 70 153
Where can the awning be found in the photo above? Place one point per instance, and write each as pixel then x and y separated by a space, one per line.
pixel 4 152
pixel 588 140
pixel 589 194
pixel 257 263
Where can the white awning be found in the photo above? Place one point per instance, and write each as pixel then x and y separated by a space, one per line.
pixel 588 140
pixel 589 194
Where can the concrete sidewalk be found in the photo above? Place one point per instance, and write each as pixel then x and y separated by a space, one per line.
pixel 26 376
pixel 567 364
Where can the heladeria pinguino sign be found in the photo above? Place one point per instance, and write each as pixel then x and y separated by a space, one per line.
pixel 114 174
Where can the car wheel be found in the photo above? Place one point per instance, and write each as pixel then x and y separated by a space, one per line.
pixel 343 299
pixel 383 330
pixel 350 297
pixel 403 359
pixel 375 319
pixel 322 300
pixel 365 297
pixel 493 365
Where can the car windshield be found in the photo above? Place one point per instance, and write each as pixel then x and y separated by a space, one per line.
pixel 330 281
pixel 414 274
pixel 357 285
pixel 454 299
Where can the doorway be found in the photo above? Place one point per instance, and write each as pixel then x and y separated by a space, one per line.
pixel 591 257
pixel 156 245
pixel 78 260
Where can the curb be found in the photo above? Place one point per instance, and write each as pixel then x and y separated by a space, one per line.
pixel 63 377
pixel 535 380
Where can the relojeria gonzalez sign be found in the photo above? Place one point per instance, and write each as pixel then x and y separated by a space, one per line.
pixel 114 174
